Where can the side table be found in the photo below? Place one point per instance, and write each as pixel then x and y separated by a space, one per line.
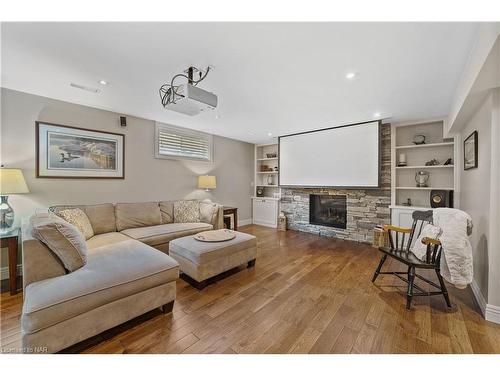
pixel 11 239
pixel 231 211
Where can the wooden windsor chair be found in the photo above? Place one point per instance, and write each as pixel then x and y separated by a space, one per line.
pixel 399 249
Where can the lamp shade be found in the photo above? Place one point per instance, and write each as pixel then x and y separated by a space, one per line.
pixel 12 181
pixel 207 182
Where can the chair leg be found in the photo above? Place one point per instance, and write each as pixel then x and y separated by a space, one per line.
pixel 443 289
pixel 377 271
pixel 411 279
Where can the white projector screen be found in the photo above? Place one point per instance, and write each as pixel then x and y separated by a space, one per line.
pixel 344 157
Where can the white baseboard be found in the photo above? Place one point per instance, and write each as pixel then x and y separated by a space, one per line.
pixel 244 222
pixel 490 312
pixel 4 272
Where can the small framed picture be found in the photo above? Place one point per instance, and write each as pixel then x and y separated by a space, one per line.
pixel 69 152
pixel 470 151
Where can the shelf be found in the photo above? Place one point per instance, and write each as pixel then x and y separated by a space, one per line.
pixel 267 185
pixel 271 172
pixel 422 188
pixel 264 159
pixel 441 144
pixel 401 207
pixel 268 198
pixel 425 166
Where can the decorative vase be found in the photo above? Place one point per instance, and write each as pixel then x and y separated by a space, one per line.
pixel 421 178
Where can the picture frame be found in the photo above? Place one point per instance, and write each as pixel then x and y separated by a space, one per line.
pixel 471 151
pixel 64 151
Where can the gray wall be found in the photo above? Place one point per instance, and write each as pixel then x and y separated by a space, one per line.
pixel 146 178
pixel 475 193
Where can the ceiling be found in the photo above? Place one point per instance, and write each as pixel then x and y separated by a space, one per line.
pixel 277 78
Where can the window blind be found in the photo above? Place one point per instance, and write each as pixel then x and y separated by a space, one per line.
pixel 175 142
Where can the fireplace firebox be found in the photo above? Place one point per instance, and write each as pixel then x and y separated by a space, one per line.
pixel 328 210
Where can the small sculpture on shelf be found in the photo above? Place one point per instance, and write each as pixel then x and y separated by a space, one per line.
pixel 448 161
pixel 432 162
pixel 408 202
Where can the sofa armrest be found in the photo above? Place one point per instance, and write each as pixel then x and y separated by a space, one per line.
pixel 39 263
pixel 218 221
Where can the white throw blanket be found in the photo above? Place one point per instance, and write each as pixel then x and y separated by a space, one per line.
pixel 456 259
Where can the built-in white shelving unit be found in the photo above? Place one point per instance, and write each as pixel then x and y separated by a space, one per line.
pixel 265 207
pixel 404 186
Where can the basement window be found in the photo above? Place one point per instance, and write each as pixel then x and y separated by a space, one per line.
pixel 172 142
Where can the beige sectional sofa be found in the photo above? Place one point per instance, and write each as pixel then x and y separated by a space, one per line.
pixel 127 273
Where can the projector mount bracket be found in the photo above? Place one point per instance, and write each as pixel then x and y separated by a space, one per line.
pixel 169 92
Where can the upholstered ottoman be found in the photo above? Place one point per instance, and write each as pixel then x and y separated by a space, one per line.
pixel 203 260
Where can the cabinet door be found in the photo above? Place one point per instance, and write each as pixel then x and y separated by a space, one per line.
pixel 265 212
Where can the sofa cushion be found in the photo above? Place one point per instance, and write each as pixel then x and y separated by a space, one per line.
pixel 203 252
pixel 186 212
pixel 167 212
pixel 135 215
pixel 102 217
pixel 62 238
pixel 79 219
pixel 113 272
pixel 160 234
pixel 105 239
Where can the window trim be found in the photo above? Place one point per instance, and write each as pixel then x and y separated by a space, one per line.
pixel 183 131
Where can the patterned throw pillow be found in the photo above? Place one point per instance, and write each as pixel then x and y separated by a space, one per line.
pixel 187 212
pixel 79 219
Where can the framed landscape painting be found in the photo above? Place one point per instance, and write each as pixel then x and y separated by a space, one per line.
pixel 69 152
pixel 470 151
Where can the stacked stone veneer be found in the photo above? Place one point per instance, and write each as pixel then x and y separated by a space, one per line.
pixel 366 208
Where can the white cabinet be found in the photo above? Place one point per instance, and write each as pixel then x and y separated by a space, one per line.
pixel 401 216
pixel 265 211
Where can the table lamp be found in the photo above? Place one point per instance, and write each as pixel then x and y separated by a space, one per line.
pixel 207 182
pixel 11 182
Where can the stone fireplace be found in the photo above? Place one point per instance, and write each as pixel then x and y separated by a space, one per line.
pixel 328 210
pixel 364 208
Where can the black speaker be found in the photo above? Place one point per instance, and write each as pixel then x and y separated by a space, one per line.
pixel 123 121
pixel 441 198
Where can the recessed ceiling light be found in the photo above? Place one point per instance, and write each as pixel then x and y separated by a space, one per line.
pixel 103 82
pixel 216 117
pixel 350 75
pixel 269 134
pixel 377 114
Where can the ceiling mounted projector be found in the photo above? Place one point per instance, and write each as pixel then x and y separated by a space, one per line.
pixel 187 98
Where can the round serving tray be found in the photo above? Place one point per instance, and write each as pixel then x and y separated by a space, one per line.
pixel 218 235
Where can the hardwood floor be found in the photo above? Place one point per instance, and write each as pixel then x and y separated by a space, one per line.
pixel 306 294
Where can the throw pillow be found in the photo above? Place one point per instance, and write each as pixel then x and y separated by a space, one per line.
pixel 187 212
pixel 62 238
pixel 208 211
pixel 419 249
pixel 79 219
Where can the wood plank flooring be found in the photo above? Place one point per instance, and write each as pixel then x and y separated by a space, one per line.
pixel 306 294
